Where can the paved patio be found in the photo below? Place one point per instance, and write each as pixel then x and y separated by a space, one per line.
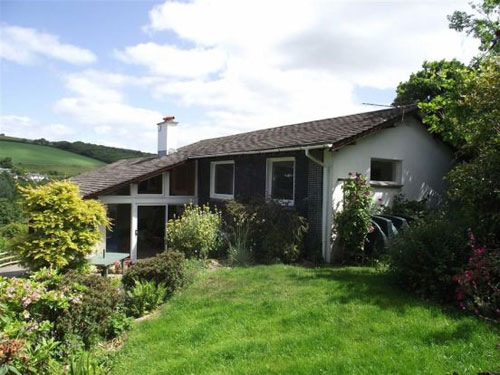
pixel 12 271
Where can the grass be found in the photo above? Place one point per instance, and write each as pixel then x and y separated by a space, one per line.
pixel 43 159
pixel 293 320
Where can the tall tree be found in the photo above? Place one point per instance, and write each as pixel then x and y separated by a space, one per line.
pixel 483 24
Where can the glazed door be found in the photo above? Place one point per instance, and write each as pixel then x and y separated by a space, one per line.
pixel 150 230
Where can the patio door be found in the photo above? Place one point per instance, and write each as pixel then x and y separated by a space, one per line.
pixel 118 238
pixel 150 230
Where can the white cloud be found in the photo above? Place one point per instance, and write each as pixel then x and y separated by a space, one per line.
pixel 172 61
pixel 25 45
pixel 100 109
pixel 281 62
pixel 235 66
pixel 26 127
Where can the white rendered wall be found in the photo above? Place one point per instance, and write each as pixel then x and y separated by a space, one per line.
pixel 424 162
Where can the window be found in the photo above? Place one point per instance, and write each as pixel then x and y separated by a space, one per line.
pixel 182 179
pixel 118 237
pixel 175 211
pixel 121 191
pixel 385 170
pixel 222 179
pixel 153 185
pixel 281 179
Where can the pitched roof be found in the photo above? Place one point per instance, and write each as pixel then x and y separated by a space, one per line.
pixel 337 131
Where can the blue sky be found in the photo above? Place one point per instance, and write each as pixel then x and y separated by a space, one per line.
pixel 107 71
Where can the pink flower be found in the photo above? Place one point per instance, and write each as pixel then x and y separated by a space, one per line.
pixel 26 301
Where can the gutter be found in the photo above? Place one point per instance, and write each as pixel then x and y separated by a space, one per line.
pixel 284 149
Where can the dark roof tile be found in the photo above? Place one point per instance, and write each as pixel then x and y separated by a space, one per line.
pixel 337 131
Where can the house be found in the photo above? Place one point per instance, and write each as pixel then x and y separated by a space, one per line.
pixel 301 165
pixel 36 177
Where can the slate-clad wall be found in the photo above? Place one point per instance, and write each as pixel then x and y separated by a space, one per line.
pixel 315 205
pixel 250 181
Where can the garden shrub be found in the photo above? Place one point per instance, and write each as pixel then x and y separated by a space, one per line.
pixel 352 222
pixel 473 193
pixel 412 208
pixel 425 257
pixel 94 314
pixel 13 230
pixel 144 297
pixel 238 224
pixel 264 232
pixel 278 232
pixel 167 268
pixel 478 289
pixel 48 317
pixel 63 228
pixel 197 233
pixel 28 311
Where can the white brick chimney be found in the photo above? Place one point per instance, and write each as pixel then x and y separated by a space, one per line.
pixel 167 136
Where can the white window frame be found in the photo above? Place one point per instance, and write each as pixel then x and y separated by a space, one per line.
pixel 397 168
pixel 269 179
pixel 163 187
pixel 212 180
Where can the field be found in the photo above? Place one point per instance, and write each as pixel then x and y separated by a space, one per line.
pixel 44 159
pixel 294 320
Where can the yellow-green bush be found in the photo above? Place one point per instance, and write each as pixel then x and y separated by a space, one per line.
pixel 63 228
pixel 197 233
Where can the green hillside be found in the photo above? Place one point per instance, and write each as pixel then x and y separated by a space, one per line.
pixel 45 159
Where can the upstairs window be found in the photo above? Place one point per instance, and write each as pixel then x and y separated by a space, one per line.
pixel 384 170
pixel 153 185
pixel 281 179
pixel 182 179
pixel 222 179
pixel 121 191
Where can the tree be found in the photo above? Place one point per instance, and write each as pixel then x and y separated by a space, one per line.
pixel 483 25
pixel 435 89
pixel 435 79
pixel 63 228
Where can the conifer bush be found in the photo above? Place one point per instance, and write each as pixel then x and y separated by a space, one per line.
pixel 63 228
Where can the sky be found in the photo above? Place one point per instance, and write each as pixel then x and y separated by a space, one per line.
pixel 106 72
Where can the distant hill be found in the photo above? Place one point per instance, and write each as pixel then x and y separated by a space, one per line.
pixel 45 159
pixel 99 152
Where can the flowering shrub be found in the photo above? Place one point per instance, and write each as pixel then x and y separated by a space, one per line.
pixel 197 233
pixel 352 223
pixel 478 288
pixel 47 317
pixel 93 312
pixel 28 311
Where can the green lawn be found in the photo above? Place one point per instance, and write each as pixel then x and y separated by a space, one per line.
pixel 294 320
pixel 37 158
